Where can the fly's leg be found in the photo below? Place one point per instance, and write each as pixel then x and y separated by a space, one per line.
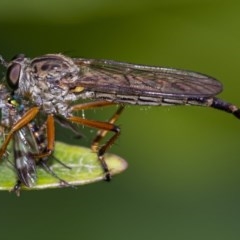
pixel 67 124
pixel 102 133
pixel 104 127
pixel 27 117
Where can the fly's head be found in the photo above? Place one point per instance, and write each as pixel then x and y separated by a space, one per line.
pixel 44 80
pixel 46 72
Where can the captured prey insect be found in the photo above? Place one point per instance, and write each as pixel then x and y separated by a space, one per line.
pixel 53 84
pixel 29 142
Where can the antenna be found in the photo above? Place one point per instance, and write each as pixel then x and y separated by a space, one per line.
pixel 3 62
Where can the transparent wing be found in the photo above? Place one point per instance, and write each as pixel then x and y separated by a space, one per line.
pixel 24 161
pixel 130 79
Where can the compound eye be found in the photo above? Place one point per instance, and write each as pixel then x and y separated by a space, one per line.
pixel 14 71
pixel 13 75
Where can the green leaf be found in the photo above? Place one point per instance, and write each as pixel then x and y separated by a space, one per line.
pixel 84 168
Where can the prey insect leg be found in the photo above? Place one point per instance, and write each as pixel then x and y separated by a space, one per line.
pixel 45 152
pixel 50 138
pixel 17 188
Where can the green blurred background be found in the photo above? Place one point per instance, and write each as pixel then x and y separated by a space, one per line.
pixel 183 176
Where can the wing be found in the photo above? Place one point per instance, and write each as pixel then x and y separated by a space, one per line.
pixel 105 76
pixel 24 161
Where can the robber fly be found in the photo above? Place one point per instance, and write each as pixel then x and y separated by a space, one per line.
pixel 29 142
pixel 53 83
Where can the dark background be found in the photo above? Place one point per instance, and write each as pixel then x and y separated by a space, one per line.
pixel 183 176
